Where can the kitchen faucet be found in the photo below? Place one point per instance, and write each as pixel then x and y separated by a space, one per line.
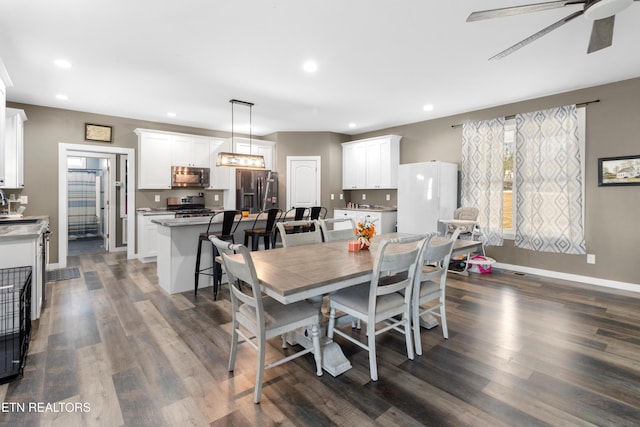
pixel 3 199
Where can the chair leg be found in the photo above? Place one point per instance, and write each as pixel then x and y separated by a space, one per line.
pixel 371 339
pixel 254 242
pixel 260 370
pixel 195 291
pixel 443 319
pixel 415 325
pixel 407 334
pixel 317 352
pixel 246 239
pixel 234 347
pixel 217 273
pixel 267 241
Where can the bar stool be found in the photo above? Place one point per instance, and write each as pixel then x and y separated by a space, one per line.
pixel 230 221
pixel 267 232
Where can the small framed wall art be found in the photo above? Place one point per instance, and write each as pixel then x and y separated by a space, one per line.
pixel 618 171
pixel 97 133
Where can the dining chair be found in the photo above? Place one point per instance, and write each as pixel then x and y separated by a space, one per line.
pixel 317 212
pixel 263 317
pixel 329 232
pixel 266 232
pixel 430 287
pixel 394 269
pixel 314 235
pixel 230 221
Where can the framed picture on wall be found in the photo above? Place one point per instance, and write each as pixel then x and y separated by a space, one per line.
pixel 97 133
pixel 618 171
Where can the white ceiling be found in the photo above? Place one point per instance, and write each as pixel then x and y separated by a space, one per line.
pixel 380 61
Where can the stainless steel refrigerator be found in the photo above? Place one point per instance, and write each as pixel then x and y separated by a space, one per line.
pixel 427 192
pixel 256 190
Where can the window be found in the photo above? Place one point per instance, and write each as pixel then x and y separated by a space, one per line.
pixel 509 162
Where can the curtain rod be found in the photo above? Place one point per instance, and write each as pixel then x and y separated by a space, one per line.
pixel 582 104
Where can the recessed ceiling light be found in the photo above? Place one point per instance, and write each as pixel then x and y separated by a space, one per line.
pixel 352 125
pixel 428 107
pixel 170 114
pixel 62 96
pixel 310 66
pixel 62 63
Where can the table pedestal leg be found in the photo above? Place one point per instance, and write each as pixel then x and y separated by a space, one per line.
pixel 333 359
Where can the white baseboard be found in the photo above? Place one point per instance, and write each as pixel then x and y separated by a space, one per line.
pixel 634 287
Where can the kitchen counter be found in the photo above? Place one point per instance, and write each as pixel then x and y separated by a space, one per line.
pixel 16 227
pixel 371 209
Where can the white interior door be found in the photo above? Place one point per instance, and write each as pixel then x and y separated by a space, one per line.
pixel 303 181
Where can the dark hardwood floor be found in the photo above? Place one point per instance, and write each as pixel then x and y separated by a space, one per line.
pixel 522 351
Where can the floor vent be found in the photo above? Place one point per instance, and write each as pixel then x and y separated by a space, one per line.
pixel 63 274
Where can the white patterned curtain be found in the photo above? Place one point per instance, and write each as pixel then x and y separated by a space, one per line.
pixel 549 182
pixel 482 175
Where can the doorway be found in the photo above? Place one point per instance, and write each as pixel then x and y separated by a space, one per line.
pixel 65 151
pixel 90 204
pixel 303 181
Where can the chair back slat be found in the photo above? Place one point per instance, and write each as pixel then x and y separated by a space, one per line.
pixel 330 235
pixel 314 234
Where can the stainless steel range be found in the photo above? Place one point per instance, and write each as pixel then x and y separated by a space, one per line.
pixel 188 206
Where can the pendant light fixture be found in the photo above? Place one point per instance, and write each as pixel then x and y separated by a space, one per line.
pixel 238 160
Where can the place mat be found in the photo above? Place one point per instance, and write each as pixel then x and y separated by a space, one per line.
pixel 63 274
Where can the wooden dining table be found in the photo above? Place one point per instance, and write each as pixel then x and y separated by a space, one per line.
pixel 296 273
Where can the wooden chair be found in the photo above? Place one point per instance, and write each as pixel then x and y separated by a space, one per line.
pixel 230 221
pixel 303 238
pixel 430 287
pixel 267 232
pixel 394 270
pixel 330 233
pixel 263 317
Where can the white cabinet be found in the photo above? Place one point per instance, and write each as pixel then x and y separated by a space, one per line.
pixel 385 222
pixel 12 149
pixel 148 236
pixel 154 160
pixel 220 175
pixel 257 147
pixel 5 82
pixel 371 163
pixel 187 150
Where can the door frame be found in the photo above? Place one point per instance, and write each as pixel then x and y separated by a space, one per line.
pixel 65 150
pixel 290 160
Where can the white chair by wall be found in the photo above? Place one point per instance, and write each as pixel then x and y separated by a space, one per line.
pixel 430 287
pixel 263 317
pixel 330 234
pixel 394 269
pixel 314 234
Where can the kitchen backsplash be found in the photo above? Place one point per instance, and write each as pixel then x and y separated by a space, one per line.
pixel 373 197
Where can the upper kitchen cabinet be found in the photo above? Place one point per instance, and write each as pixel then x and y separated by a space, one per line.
pixel 257 147
pixel 12 149
pixel 5 82
pixel 371 163
pixel 188 150
pixel 154 159
pixel 220 175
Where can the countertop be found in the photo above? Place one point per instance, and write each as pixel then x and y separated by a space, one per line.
pixel 371 209
pixel 165 211
pixel 15 228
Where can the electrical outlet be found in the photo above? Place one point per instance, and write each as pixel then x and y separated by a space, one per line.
pixel 388 197
pixel 24 200
pixel 157 198
pixel 340 196
pixel 364 196
pixel 591 258
pixel 333 196
pixel 216 197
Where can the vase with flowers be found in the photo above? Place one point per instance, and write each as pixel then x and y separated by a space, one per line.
pixel 365 230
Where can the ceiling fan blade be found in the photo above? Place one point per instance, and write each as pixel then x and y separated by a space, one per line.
pixel 601 34
pixel 537 35
pixel 517 10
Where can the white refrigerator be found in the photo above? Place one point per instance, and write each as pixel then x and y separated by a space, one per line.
pixel 427 192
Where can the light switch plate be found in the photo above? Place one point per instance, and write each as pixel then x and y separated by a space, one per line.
pixel 157 198
pixel 24 200
pixel 591 258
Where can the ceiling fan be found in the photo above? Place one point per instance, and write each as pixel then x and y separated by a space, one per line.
pixel 601 12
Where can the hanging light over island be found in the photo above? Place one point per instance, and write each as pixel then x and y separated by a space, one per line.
pixel 238 160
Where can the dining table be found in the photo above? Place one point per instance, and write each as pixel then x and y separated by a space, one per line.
pixel 297 273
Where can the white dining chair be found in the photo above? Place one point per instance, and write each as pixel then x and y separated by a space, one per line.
pixel 329 232
pixel 263 317
pixel 430 287
pixel 314 235
pixel 394 269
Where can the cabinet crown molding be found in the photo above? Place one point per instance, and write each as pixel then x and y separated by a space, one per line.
pixel 391 137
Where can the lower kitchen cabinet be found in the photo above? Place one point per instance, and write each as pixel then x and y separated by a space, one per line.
pixel 385 222
pixel 148 235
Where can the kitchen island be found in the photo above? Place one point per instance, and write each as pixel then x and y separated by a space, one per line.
pixel 177 246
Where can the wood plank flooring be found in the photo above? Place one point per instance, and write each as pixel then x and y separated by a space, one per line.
pixel 523 350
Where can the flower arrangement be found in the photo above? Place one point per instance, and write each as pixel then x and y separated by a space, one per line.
pixel 365 230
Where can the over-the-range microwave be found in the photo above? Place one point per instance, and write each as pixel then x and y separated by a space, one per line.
pixel 184 176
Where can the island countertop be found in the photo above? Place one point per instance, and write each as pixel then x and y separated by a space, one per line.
pixel 19 227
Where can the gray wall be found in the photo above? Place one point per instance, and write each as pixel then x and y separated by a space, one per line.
pixel 611 212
